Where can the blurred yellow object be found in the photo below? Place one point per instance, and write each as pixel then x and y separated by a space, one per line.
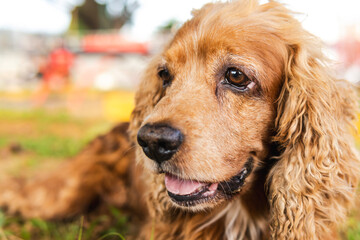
pixel 118 105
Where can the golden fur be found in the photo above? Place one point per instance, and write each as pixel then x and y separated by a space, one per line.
pixel 295 124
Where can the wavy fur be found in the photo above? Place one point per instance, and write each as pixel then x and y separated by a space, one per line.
pixel 295 126
pixel 313 184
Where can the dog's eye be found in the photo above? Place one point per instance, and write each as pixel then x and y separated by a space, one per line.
pixel 165 76
pixel 238 79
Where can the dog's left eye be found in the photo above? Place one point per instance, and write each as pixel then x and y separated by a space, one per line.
pixel 238 79
pixel 165 76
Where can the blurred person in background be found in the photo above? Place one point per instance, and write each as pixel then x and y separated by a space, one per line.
pixel 55 73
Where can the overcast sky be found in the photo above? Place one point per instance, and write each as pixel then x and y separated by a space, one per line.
pixel 325 18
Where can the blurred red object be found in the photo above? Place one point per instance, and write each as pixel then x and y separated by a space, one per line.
pixel 112 43
pixel 349 50
pixel 58 65
pixel 55 73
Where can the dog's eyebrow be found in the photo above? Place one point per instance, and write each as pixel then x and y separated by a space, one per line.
pixel 249 63
pixel 162 64
pixel 161 67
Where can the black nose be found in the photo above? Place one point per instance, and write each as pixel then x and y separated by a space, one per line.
pixel 159 141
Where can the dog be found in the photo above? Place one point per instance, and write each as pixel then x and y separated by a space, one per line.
pixel 240 131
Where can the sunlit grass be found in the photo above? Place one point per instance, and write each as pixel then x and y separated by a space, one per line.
pixel 17 228
pixel 37 115
pixel 353 229
pixel 47 134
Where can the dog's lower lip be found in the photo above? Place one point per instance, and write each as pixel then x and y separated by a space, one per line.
pixel 235 184
pixel 192 192
pixel 179 186
pixel 189 192
pixel 202 192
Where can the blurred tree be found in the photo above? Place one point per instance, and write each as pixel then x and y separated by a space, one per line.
pixel 169 26
pixel 102 14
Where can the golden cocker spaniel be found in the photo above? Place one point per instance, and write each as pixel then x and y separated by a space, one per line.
pixel 240 131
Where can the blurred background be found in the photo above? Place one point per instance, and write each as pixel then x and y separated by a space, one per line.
pixel 85 57
pixel 69 68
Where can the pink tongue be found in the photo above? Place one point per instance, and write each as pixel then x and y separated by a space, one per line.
pixel 179 186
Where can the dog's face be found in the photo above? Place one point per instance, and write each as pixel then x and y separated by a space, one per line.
pixel 211 126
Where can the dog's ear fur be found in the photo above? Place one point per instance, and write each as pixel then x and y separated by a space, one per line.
pixel 314 181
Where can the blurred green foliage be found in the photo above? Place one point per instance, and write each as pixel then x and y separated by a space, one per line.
pixel 42 132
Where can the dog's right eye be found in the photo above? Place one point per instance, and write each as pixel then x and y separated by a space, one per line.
pixel 165 76
pixel 238 80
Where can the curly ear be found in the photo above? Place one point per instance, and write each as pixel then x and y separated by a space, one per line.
pixel 314 180
pixel 149 92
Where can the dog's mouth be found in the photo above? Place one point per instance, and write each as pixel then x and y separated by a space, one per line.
pixel 191 192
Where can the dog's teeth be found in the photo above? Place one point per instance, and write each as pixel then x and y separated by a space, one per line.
pixel 213 186
pixel 209 193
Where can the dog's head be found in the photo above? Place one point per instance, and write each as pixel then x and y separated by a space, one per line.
pixel 214 92
pixel 207 108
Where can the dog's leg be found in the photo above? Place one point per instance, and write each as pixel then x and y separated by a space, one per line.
pixel 101 173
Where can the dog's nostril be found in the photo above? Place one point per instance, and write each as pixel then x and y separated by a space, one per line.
pixel 159 142
pixel 163 150
pixel 171 145
pixel 141 142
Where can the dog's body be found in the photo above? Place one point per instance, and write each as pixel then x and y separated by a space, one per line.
pixel 243 134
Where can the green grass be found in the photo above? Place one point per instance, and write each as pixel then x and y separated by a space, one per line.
pixel 52 145
pixel 37 115
pixel 38 229
pixel 353 230
pixel 43 135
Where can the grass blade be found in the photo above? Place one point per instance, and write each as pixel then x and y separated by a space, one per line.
pixel 112 234
pixel 81 227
